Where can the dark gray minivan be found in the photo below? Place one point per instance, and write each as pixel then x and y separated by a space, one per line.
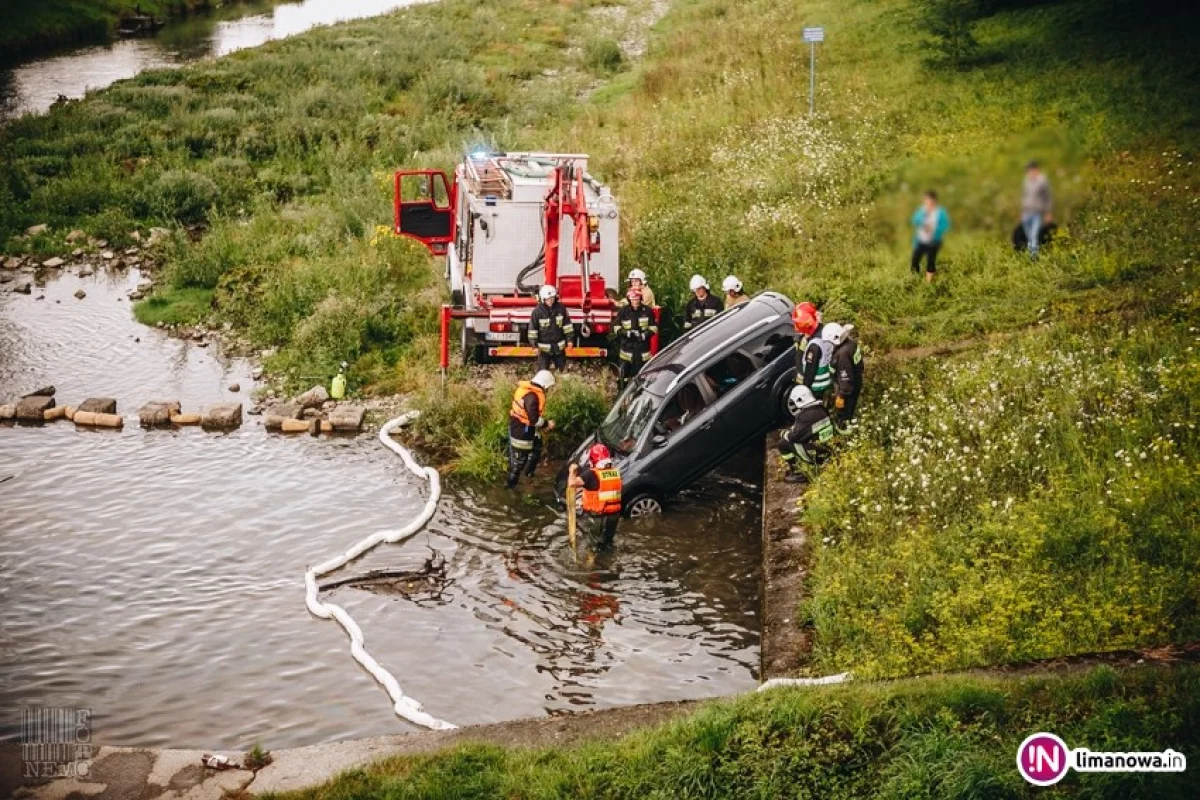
pixel 698 401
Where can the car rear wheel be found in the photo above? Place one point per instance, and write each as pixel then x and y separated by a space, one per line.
pixel 643 505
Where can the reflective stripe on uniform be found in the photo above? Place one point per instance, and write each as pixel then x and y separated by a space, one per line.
pixel 520 444
pixel 607 497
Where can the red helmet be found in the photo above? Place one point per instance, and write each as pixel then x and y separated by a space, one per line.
pixel 599 454
pixel 806 318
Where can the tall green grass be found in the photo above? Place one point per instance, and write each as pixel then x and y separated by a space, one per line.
pixel 1027 500
pixel 933 738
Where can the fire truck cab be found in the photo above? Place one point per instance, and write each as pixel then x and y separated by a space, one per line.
pixel 508 223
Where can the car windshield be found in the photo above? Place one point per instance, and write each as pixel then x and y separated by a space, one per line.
pixel 634 411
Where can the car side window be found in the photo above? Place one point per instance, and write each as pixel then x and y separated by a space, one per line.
pixel 769 347
pixel 729 372
pixel 681 409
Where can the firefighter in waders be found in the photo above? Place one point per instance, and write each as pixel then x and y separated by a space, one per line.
pixel 703 306
pixel 601 484
pixel 806 443
pixel 525 418
pixel 635 326
pixel 814 353
pixel 550 329
pixel 848 369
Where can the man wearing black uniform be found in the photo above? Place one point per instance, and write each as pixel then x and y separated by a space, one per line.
pixel 703 306
pixel 550 329
pixel 847 362
pixel 635 325
pixel 807 440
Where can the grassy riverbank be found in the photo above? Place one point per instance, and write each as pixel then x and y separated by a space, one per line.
pixel 933 738
pixel 279 161
pixel 32 25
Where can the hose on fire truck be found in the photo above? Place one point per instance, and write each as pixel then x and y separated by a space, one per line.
pixel 407 707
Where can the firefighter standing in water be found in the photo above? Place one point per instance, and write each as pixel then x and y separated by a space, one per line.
pixel 847 363
pixel 550 329
pixel 525 418
pixel 806 442
pixel 635 325
pixel 703 306
pixel 814 353
pixel 601 484
pixel 733 291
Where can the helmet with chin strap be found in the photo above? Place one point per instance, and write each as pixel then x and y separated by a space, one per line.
pixel 800 397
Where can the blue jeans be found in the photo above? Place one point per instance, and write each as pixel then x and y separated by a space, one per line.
pixel 1032 223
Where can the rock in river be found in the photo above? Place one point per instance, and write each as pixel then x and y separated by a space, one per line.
pixel 80 294
pixel 313 398
pixel 23 287
pixel 347 418
pixel 33 408
pixel 53 263
pixel 222 416
pixel 158 414
pixel 276 414
pixel 99 405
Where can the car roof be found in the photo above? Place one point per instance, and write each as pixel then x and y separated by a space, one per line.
pixel 719 336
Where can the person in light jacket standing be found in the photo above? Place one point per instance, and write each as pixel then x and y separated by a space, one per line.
pixel 1035 205
pixel 930 223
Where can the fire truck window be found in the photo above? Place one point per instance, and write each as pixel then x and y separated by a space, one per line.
pixel 685 406
pixel 415 189
pixel 441 196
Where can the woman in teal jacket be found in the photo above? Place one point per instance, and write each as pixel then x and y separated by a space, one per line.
pixel 930 223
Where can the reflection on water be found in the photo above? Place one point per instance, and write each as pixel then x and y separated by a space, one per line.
pixel 33 86
pixel 157 577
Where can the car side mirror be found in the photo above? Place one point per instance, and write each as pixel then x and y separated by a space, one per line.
pixel 658 441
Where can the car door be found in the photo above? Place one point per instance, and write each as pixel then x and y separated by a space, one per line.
pixel 686 437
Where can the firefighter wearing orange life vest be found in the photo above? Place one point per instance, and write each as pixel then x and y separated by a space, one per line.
pixel 601 484
pixel 525 419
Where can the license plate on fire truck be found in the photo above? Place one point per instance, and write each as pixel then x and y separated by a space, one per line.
pixel 502 336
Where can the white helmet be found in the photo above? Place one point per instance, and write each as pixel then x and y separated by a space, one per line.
pixel 637 275
pixel 800 397
pixel 697 282
pixel 545 378
pixel 833 332
pixel 731 284
pixel 547 292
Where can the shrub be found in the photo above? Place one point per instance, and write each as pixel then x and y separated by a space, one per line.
pixel 950 25
pixel 603 55
pixel 180 195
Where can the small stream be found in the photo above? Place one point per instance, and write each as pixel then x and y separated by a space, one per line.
pixel 33 86
pixel 156 577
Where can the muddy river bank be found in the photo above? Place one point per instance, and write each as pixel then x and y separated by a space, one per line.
pixel 156 577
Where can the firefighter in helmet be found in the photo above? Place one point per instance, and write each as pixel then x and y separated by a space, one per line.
pixel 525 419
pixel 635 326
pixel 814 353
pixel 806 442
pixel 601 484
pixel 637 280
pixel 550 329
pixel 847 364
pixel 703 306
pixel 734 295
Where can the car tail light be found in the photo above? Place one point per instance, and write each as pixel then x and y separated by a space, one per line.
pixel 500 327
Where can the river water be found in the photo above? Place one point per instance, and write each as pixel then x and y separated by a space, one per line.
pixel 157 577
pixel 33 86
